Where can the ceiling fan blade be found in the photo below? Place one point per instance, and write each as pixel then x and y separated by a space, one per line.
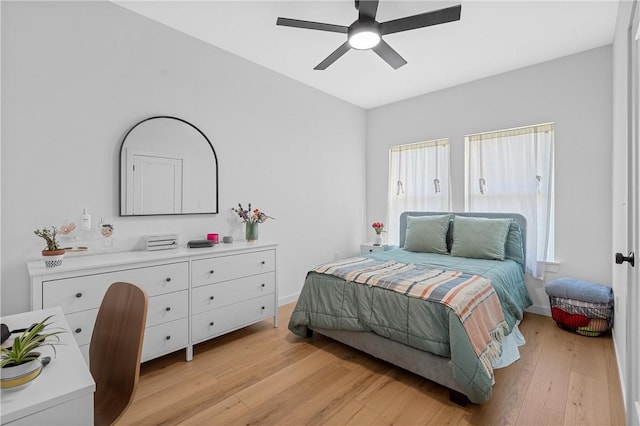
pixel 427 19
pixel 367 9
pixel 344 48
pixel 390 56
pixel 297 23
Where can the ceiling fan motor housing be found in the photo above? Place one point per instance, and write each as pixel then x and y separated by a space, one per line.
pixel 364 34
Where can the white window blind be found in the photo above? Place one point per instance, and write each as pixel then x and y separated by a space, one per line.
pixel 512 171
pixel 418 180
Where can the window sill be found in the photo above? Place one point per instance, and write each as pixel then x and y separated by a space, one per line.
pixel 552 266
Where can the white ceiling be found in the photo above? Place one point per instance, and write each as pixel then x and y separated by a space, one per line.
pixel 491 37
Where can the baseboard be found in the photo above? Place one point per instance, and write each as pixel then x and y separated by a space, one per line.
pixel 540 310
pixel 288 299
pixel 622 378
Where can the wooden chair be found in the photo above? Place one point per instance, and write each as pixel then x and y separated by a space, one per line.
pixel 115 350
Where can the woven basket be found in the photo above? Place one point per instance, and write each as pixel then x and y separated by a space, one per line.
pixel 588 319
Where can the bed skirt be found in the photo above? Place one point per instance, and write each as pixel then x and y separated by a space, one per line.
pixel 432 367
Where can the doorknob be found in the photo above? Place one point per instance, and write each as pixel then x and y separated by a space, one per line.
pixel 620 258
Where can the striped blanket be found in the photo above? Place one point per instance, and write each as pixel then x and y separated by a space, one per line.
pixel 471 297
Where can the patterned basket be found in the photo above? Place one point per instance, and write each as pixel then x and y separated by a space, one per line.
pixel 53 261
pixel 52 258
pixel 588 319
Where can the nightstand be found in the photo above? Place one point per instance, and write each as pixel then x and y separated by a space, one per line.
pixel 367 248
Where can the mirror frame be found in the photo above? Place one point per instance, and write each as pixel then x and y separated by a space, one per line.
pixel 120 182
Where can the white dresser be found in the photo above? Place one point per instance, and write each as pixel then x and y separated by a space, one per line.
pixel 194 294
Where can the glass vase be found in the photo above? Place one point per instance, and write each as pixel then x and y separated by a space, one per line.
pixel 251 231
pixel 379 240
pixel 106 230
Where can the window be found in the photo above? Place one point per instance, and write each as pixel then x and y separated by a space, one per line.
pixel 418 180
pixel 512 171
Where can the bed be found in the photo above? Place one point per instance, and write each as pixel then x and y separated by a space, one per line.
pixel 443 304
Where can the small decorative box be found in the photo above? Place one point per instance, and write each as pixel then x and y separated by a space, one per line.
pixel 160 242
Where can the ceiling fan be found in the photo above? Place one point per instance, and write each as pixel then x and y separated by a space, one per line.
pixel 366 33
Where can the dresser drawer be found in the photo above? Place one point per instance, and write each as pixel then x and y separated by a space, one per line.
pixel 81 325
pixel 75 294
pixel 219 321
pixel 86 292
pixel 167 307
pixel 224 268
pixel 213 296
pixel 160 279
pixel 165 338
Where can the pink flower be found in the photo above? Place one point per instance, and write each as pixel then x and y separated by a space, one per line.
pixel 378 227
pixel 250 215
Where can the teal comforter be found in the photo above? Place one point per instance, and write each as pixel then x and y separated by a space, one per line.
pixel 333 303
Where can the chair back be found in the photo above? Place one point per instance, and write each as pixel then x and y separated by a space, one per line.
pixel 115 350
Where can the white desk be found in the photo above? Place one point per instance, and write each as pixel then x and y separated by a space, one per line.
pixel 63 393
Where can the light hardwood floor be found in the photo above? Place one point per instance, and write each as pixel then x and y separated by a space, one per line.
pixel 268 376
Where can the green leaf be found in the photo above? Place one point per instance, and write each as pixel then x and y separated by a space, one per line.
pixel 24 345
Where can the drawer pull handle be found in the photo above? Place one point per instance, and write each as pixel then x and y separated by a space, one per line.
pixel 262 308
pixel 263 285
pixel 78 295
pixel 168 308
pixel 211 323
pixel 211 297
pixel 263 262
pixel 78 330
pixel 168 337
pixel 168 279
pixel 211 271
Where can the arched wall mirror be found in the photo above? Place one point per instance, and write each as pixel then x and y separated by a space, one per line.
pixel 167 167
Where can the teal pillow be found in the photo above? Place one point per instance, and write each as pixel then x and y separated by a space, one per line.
pixel 427 234
pixel 513 248
pixel 479 237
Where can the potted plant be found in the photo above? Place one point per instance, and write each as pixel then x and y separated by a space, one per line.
pixel 53 254
pixel 20 362
pixel 379 228
pixel 251 218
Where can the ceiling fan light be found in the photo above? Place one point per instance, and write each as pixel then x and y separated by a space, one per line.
pixel 365 39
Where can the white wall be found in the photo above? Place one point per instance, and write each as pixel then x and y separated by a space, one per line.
pixel 77 75
pixel 575 93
